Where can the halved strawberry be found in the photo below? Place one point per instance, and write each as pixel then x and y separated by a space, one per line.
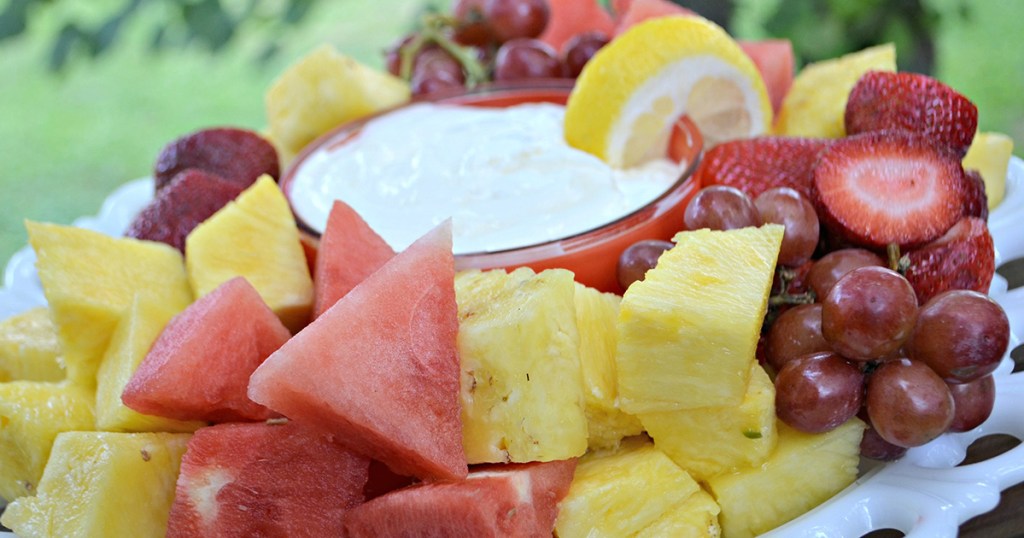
pixel 888 187
pixel 963 258
pixel 977 198
pixel 754 165
pixel 883 100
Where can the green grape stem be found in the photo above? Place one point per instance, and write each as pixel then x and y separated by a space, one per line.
pixel 433 31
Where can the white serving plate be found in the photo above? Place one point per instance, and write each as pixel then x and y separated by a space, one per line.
pixel 925 494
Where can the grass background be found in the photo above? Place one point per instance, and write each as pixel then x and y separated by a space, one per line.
pixel 69 138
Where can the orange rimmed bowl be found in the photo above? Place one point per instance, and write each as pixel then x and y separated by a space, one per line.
pixel 593 254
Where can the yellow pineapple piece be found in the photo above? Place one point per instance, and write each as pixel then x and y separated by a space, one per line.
pixel 815 105
pixel 990 154
pixel 804 470
pixel 135 334
pixel 29 349
pixel 697 517
pixel 522 395
pixel 254 236
pixel 102 484
pixel 596 314
pixel 622 492
pixel 687 333
pixel 707 441
pixel 323 90
pixel 32 413
pixel 89 280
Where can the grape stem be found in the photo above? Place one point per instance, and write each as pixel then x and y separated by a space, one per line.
pixel 897 262
pixel 434 32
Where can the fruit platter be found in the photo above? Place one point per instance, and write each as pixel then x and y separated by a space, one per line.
pixel 560 270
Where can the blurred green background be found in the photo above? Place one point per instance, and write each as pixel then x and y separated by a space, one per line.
pixel 135 74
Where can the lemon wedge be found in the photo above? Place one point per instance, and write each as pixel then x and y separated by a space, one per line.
pixel 635 88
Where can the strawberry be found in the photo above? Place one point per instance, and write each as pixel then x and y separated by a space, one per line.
pixel 963 258
pixel 754 165
pixel 237 155
pixel 880 188
pixel 977 198
pixel 883 100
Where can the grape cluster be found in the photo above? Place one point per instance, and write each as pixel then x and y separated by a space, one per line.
pixel 483 41
pixel 846 336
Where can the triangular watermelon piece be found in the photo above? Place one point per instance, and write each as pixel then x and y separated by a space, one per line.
pixel 494 501
pixel 380 367
pixel 199 366
pixel 774 59
pixel 572 17
pixel 260 479
pixel 349 252
pixel 637 11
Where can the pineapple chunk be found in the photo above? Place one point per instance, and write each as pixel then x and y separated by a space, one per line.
pixel 707 441
pixel 323 90
pixel 28 347
pixel 990 154
pixel 803 471
pixel 32 413
pixel 697 517
pixel 254 236
pixel 522 394
pixel 102 484
pixel 596 313
pixel 139 328
pixel 89 280
pixel 687 333
pixel 619 493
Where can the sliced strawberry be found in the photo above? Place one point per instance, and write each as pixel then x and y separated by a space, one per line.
pixel 963 258
pixel 977 198
pixel 880 188
pixel 238 155
pixel 883 100
pixel 754 165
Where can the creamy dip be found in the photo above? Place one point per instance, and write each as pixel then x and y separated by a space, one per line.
pixel 505 176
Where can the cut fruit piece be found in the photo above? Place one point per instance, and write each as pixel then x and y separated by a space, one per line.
pixel 596 315
pixel 29 350
pixel 754 165
pixel 990 155
pixel 239 156
pixel 226 334
pixel 962 259
pixel 493 501
pixel 637 11
pixel 697 517
pixel 140 326
pixel 323 90
pixel 32 413
pixel 816 102
pixel 380 368
pixel 90 279
pixel 804 470
pixel 522 394
pixel 349 251
pixel 688 331
pixel 265 480
pixel 634 89
pixel 774 59
pixel 623 492
pixel 256 237
pixel 102 484
pixel 569 18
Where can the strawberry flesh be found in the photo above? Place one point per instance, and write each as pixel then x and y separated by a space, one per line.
pixel 963 258
pixel 977 198
pixel 877 189
pixel 237 155
pixel 754 165
pixel 883 100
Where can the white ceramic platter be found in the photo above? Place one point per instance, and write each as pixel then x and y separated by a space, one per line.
pixel 926 494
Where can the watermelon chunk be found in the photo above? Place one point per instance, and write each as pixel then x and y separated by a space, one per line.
pixel 498 501
pixel 199 366
pixel 380 367
pixel 259 479
pixel 571 17
pixel 349 252
pixel 774 59
pixel 636 11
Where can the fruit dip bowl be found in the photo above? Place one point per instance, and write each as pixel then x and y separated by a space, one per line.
pixel 509 220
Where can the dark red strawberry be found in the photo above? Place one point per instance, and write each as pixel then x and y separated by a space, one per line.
pixel 963 258
pixel 884 100
pixel 754 165
pixel 977 199
pixel 875 189
pixel 189 199
pixel 237 155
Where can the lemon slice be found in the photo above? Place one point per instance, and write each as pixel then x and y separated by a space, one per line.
pixel 632 91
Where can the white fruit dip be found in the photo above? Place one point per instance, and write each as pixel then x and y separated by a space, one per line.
pixel 505 176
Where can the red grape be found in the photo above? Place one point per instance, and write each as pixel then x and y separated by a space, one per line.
pixel 974 402
pixel 961 334
pixel 393 55
pixel 868 313
pixel 786 206
pixel 873 446
pixel 908 403
pixel 795 333
pixel 638 258
pixel 832 266
pixel 434 70
pixel 526 58
pixel 514 19
pixel 817 392
pixel 471 26
pixel 720 208
pixel 580 49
